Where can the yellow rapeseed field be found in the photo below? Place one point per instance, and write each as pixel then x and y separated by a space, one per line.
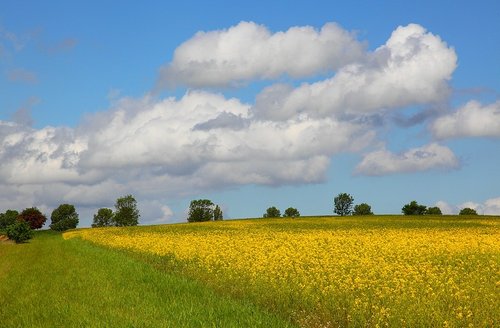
pixel 329 272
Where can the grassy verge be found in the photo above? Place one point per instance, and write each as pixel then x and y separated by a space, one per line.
pixel 51 282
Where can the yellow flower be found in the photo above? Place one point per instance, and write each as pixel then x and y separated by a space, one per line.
pixel 380 274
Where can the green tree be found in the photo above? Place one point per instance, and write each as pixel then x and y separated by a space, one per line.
pixel 201 210
pixel 413 208
pixel 20 231
pixel 291 212
pixel 433 211
pixel 126 213
pixel 103 218
pixel 362 209
pixel 8 218
pixel 64 217
pixel 342 204
pixel 272 212
pixel 217 213
pixel 33 217
pixel 467 211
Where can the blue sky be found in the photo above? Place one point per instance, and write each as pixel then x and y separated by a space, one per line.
pixel 250 105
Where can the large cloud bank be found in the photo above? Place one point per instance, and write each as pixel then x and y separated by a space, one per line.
pixel 169 147
pixel 204 140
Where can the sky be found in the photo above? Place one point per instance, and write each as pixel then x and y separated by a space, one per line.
pixel 251 105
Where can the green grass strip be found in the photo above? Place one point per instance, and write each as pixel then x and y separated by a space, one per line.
pixel 51 282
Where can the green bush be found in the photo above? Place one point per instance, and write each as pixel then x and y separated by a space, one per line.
pixel 342 204
pixel 413 208
pixel 64 218
pixel 218 214
pixel 126 213
pixel 272 212
pixel 291 212
pixel 433 211
pixel 103 218
pixel 467 211
pixel 8 218
pixel 201 210
pixel 20 231
pixel 362 209
pixel 66 224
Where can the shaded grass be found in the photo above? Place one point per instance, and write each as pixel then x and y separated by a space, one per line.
pixel 51 282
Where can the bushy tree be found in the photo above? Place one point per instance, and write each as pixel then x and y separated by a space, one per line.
pixel 34 217
pixel 413 208
pixel 362 209
pixel 126 213
pixel 433 211
pixel 103 218
pixel 467 211
pixel 64 217
pixel 201 210
pixel 8 218
pixel 342 204
pixel 20 231
pixel 217 213
pixel 272 212
pixel 291 212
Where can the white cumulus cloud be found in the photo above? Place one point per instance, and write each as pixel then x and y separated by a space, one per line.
pixel 469 204
pixel 471 120
pixel 250 51
pixel 37 156
pixel 492 206
pixel 489 207
pixel 384 162
pixel 445 207
pixel 412 68
pixel 192 136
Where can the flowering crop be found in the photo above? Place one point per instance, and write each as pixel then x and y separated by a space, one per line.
pixel 337 271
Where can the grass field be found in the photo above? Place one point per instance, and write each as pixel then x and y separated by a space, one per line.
pixel 379 271
pixel 312 272
pixel 52 282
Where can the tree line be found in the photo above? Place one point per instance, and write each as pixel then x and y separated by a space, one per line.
pixel 343 205
pixel 20 226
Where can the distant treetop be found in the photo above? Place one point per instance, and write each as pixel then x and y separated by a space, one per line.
pixel 342 204
pixel 413 208
pixel 467 211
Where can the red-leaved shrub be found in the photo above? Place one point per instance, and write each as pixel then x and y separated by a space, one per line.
pixel 34 217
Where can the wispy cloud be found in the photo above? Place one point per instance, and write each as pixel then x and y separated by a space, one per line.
pixel 22 75
pixel 23 115
pixel 64 45
pixel 14 40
